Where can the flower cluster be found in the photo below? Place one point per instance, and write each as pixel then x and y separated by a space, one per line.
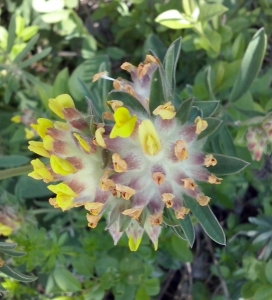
pixel 9 220
pixel 131 166
pixel 259 138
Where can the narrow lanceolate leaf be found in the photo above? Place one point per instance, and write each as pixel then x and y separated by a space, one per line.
pixel 11 33
pixel 10 246
pixel 170 62
pixel 227 165
pixel 188 229
pixel 251 64
pixel 12 252
pixel 207 220
pixel 226 141
pixel 156 97
pixel 213 125
pixel 127 99
pixel 27 48
pixel 208 82
pixel 35 58
pixel 16 274
pixel 184 111
pixel 207 107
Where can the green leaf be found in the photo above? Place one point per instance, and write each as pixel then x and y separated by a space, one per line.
pixel 152 286
pixel 28 32
pixel 128 100
pixel 2 288
pixel 208 83
pixel 155 43
pixel 248 289
pixel 209 11
pixel 188 229
pixel 226 141
pixel 174 19
pixel 66 280
pixel 9 246
pixel 264 292
pixel 181 249
pixel 268 271
pixel 142 294
pixel 184 110
pixel 61 83
pixel 207 107
pixel 194 113
pixel 12 252
pixel 213 125
pixel 227 165
pixel 11 33
pixel 27 48
pixel 207 220
pixel 170 62
pixel 46 6
pixel 156 97
pixel 35 58
pixel 251 64
pixel 16 274
pixel 9 161
pixel 55 16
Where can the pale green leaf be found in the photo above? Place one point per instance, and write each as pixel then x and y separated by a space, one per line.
pixel 227 165
pixel 174 19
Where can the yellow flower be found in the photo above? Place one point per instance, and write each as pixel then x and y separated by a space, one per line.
pixel 83 143
pixel 5 230
pixel 40 171
pixel 99 137
pixel 59 103
pixel 201 125
pixel 166 111
pixel 48 143
pixel 65 195
pixel 149 138
pixel 42 126
pixel 124 123
pixel 61 166
pixel 16 119
pixel 37 147
pixel 29 134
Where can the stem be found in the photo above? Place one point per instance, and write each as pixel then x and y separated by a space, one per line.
pixel 44 210
pixel 15 172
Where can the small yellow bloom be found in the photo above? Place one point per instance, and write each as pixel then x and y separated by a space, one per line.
pixel 115 104
pixel 99 140
pixel 167 198
pixel 155 220
pixel 128 67
pixel 181 152
pixel 59 103
pixel 93 220
pixel 158 178
pixel 119 164
pixel 83 143
pixel 214 180
pixel 99 75
pixel 42 126
pixel 61 166
pixel 181 212
pixel 5 230
pixel 188 183
pixel 124 191
pixel 166 111
pixel 65 195
pixel 94 207
pixel 40 171
pixel 37 147
pixel 210 160
pixel 29 134
pixel 16 119
pixel 134 213
pixel 201 125
pixel 149 138
pixel 203 200
pixel 48 143
pixel 124 123
pixel 133 246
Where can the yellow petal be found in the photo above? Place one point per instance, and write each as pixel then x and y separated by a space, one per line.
pixel 29 134
pixel 37 147
pixel 188 183
pixel 99 137
pixel 210 160
pixel 94 207
pixel 149 138
pixel 166 111
pixel 61 166
pixel 124 123
pixel 99 75
pixel 65 195
pixel 181 152
pixel 59 103
pixel 16 119
pixel 181 212
pixel 119 164
pixel 42 126
pixel 201 125
pixel 5 230
pixel 83 143
pixel 115 104
pixel 40 171
pixel 203 200
pixel 134 213
pixel 48 143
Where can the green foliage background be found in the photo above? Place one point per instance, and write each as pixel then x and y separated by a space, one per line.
pixel 52 47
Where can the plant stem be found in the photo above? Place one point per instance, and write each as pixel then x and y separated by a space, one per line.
pixel 15 172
